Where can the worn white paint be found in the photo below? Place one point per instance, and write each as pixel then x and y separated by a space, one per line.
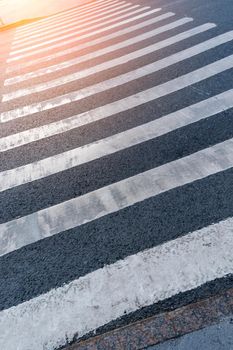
pixel 77 211
pixel 111 109
pixel 97 53
pixel 106 294
pixel 74 39
pixel 115 61
pixel 45 31
pixel 89 43
pixel 158 91
pixel 60 162
pixel 140 72
pixel 105 20
pixel 56 17
pixel 72 28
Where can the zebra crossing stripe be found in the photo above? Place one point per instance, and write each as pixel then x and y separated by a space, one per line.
pixel 69 29
pixel 115 107
pixel 83 58
pixel 156 92
pixel 114 197
pixel 90 42
pixel 64 22
pixel 117 61
pixel 106 294
pixel 22 30
pixel 147 277
pixel 84 36
pixel 47 28
pixel 158 65
pixel 60 162
pixel 109 18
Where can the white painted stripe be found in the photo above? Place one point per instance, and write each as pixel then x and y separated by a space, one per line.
pixel 108 18
pixel 158 65
pixel 42 30
pixel 74 24
pixel 52 29
pixel 114 62
pixel 106 294
pixel 113 108
pixel 160 90
pixel 97 53
pixel 87 35
pixel 112 198
pixel 54 18
pixel 116 143
pixel 87 43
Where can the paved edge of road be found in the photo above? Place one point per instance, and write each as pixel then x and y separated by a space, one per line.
pixel 164 326
pixel 19 23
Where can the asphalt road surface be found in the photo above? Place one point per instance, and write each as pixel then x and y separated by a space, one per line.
pixel 116 178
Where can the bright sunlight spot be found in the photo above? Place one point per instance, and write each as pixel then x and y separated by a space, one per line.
pixel 17 10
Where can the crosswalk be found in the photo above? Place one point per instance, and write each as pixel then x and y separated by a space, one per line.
pixel 116 149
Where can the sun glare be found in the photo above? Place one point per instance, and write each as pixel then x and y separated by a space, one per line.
pixel 17 10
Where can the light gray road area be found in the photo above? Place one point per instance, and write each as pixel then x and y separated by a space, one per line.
pixel 116 166
pixel 216 337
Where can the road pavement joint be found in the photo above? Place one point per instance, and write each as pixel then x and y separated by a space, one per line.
pixel 164 326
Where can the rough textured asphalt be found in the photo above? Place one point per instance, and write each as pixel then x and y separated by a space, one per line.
pixel 43 265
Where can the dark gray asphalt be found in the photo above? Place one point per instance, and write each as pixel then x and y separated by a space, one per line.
pixel 49 263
